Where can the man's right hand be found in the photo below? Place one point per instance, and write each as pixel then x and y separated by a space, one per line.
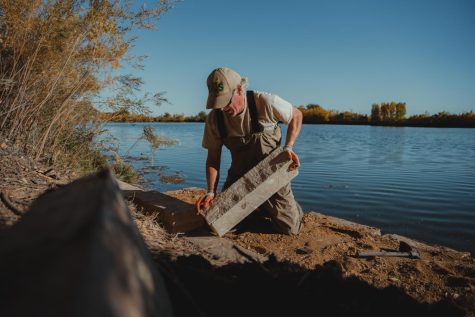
pixel 204 202
pixel 292 157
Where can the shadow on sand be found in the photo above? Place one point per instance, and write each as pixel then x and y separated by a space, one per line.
pixel 284 289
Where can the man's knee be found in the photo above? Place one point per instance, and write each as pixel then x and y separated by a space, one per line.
pixel 285 212
pixel 289 220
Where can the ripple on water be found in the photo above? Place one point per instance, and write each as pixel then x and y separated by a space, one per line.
pixel 412 181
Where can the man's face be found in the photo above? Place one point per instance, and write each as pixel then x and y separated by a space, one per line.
pixel 235 105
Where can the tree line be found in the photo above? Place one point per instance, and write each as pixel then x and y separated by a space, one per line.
pixel 383 114
pixel 386 114
pixel 125 116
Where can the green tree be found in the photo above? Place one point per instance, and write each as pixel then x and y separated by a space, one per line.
pixel 375 113
pixel 202 116
pixel 392 111
pixel 400 110
pixel 384 111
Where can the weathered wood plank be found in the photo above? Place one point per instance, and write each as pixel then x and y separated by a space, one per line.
pixel 77 252
pixel 249 192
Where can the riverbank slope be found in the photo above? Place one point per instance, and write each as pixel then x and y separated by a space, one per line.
pixel 254 269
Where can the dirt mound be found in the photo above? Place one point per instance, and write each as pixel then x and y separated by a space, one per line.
pixel 441 282
pixel 22 181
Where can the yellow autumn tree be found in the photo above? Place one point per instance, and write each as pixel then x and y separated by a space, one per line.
pixel 56 56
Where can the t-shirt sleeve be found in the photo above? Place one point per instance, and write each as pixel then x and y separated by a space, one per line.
pixel 281 109
pixel 211 138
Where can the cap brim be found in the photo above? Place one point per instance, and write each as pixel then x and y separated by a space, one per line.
pixel 218 101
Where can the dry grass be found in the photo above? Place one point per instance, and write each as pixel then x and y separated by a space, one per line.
pixel 155 236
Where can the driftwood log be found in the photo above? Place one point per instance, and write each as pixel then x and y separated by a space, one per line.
pixel 77 252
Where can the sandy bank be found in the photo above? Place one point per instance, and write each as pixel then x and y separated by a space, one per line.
pixel 255 271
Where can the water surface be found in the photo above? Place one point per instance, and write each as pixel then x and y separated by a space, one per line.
pixel 418 182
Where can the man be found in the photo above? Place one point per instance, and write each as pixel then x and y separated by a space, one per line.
pixel 246 123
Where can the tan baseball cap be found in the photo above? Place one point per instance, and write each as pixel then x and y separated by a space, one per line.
pixel 221 85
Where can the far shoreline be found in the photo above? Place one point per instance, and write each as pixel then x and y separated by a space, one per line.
pixel 315 114
pixel 327 123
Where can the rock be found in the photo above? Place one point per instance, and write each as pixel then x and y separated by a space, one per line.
pixel 77 252
pixel 304 250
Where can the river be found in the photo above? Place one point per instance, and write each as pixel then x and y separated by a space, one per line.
pixel 417 182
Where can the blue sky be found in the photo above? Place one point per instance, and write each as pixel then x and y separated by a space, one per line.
pixel 341 54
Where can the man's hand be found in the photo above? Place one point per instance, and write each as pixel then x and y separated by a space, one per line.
pixel 204 202
pixel 292 157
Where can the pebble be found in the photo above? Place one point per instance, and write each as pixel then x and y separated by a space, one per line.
pixel 304 250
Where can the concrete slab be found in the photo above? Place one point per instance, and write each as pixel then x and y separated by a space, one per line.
pixel 249 192
pixel 176 215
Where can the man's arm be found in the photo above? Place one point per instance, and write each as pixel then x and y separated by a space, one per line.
pixel 294 127
pixel 292 133
pixel 213 162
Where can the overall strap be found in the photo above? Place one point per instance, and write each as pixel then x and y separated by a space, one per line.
pixel 220 121
pixel 251 103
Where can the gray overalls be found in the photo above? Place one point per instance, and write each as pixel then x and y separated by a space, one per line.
pixel 246 152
